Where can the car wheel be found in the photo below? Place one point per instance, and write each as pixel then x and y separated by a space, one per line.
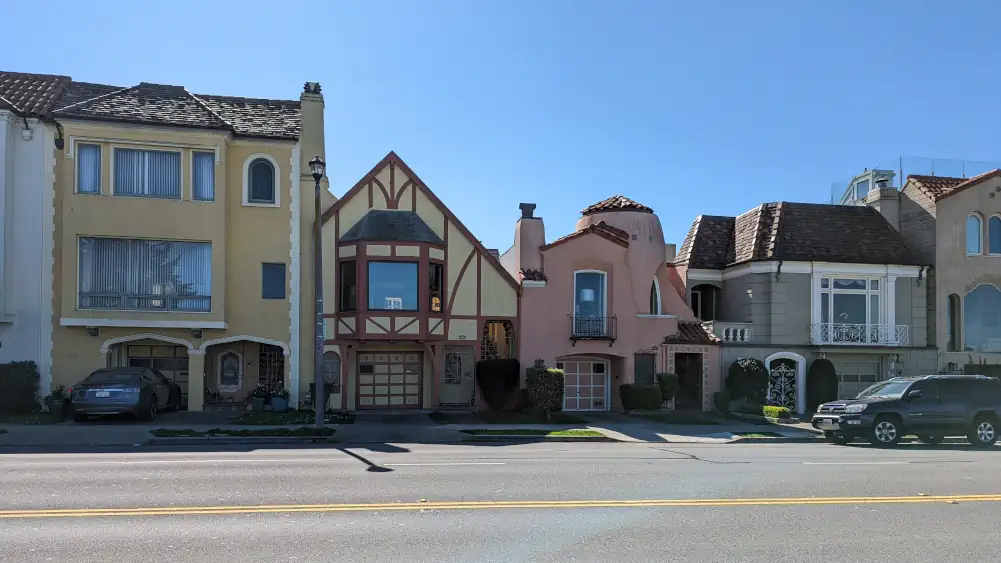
pixel 839 438
pixel 925 438
pixel 984 431
pixel 150 414
pixel 885 432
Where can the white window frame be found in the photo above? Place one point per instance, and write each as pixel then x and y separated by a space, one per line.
pixel 191 175
pixel 180 175
pixel 887 304
pixel 246 181
pixel 980 233
pixel 76 171
pixel 987 238
pixel 604 300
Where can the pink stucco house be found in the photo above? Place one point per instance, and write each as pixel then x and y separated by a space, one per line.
pixel 601 303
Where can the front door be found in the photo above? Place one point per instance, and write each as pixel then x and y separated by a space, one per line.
pixel 689 392
pixel 457 387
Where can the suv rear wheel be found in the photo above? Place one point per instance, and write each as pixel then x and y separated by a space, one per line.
pixel 984 431
pixel 885 432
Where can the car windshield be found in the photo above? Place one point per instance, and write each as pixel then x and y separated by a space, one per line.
pixel 887 389
pixel 101 377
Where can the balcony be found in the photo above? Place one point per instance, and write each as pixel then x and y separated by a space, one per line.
pixel 730 332
pixel 592 328
pixel 150 303
pixel 859 335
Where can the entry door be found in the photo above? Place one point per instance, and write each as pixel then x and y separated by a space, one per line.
pixel 688 395
pixel 457 387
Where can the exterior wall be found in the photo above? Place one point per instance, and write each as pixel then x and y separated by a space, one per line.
pixel 955 271
pixel 243 237
pixel 26 241
pixel 917 225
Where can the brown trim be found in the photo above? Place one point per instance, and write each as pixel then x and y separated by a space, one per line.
pixel 393 158
pixel 413 194
pixel 479 283
pixel 397 329
pixel 369 319
pixel 392 187
pixel 385 194
pixel 371 201
pixel 458 280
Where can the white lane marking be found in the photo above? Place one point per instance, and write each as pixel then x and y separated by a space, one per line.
pixel 179 461
pixel 441 464
pixel 855 462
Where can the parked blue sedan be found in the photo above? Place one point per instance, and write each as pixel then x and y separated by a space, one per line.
pixel 141 392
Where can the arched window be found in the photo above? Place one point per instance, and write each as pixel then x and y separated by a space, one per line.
pixel 332 372
pixel 974 234
pixel 954 323
pixel 655 297
pixel 261 181
pixel 994 235
pixel 982 320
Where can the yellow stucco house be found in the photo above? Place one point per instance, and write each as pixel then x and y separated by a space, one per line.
pixel 180 223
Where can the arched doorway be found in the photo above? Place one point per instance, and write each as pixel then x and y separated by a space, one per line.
pixel 787 381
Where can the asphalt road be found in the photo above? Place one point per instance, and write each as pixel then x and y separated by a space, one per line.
pixel 529 502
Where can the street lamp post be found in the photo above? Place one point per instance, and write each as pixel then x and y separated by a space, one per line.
pixel 320 400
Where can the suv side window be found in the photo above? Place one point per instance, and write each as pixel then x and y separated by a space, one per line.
pixel 985 390
pixel 926 385
pixel 956 389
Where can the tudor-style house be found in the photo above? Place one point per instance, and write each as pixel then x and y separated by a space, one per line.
pixel 177 226
pixel 788 283
pixel 413 299
pixel 600 304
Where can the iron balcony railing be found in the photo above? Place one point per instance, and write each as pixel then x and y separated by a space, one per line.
pixel 127 302
pixel 860 334
pixel 592 328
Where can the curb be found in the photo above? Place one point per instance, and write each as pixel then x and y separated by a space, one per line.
pixel 199 440
pixel 529 438
pixel 782 440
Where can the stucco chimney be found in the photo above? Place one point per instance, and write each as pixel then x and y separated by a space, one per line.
pixel 885 199
pixel 311 135
pixel 670 252
pixel 529 235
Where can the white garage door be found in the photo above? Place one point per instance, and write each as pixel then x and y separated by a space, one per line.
pixel 585 385
pixel 855 377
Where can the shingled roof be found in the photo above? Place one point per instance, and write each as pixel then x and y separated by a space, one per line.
pixel 391 225
pixel 30 94
pixel 794 231
pixel 615 203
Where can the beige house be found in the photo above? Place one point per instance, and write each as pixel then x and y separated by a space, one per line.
pixel 412 298
pixel 180 223
pixel 957 223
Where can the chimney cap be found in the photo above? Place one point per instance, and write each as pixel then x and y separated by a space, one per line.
pixel 527 210
pixel 311 88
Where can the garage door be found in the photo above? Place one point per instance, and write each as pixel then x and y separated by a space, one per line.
pixel 171 361
pixel 389 380
pixel 585 385
pixel 855 377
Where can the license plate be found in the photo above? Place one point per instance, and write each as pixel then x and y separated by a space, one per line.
pixel 829 424
pixel 102 394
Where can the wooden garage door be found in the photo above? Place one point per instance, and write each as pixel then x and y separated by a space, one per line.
pixel 389 380
pixel 585 385
pixel 855 377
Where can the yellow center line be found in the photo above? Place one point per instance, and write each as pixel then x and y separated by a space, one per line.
pixel 479 505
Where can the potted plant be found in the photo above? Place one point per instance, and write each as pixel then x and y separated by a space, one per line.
pixel 258 397
pixel 56 402
pixel 279 400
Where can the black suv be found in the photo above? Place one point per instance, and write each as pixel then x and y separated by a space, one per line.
pixel 930 406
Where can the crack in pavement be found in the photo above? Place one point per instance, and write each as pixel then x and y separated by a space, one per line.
pixel 694 457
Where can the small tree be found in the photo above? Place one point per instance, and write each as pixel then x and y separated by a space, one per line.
pixel 747 379
pixel 668 383
pixel 545 389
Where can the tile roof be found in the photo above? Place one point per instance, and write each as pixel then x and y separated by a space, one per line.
pixel 532 274
pixel 615 203
pixel 935 187
pixel 796 231
pixel 385 225
pixel 966 183
pixel 692 332
pixel 30 94
pixel 601 228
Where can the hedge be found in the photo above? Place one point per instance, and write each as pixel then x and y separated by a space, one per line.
pixel 545 389
pixel 721 400
pixel 821 383
pixel 747 379
pixel 497 379
pixel 776 412
pixel 668 383
pixel 640 397
pixel 19 388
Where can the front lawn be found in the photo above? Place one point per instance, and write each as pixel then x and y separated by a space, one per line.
pixel 577 432
pixel 680 417
pixel 558 417
pixel 301 432
pixel 31 418
pixel 269 418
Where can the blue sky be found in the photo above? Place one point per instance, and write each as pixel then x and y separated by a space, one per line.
pixel 689 107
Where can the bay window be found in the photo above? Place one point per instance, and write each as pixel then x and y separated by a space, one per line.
pixel 144 275
pixel 852 312
pixel 392 286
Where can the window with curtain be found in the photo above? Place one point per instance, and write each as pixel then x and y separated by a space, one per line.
pixel 203 176
pixel 332 372
pixel 982 320
pixel 851 311
pixel 589 305
pixel 392 286
pixel 88 169
pixel 974 234
pixel 994 235
pixel 145 275
pixel 436 281
pixel 262 182
pixel 954 322
pixel 148 173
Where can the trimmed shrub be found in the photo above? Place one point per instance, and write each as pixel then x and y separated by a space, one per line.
pixel 19 388
pixel 668 383
pixel 776 412
pixel 640 397
pixel 497 379
pixel 545 389
pixel 747 379
pixel 721 400
pixel 821 383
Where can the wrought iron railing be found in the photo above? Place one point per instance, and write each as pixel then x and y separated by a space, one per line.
pixel 860 334
pixel 730 332
pixel 592 328
pixel 126 302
